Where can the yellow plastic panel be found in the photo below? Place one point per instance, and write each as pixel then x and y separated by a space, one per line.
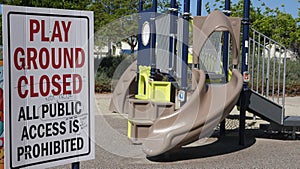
pixel 129 129
pixel 190 58
pixel 143 88
pixel 160 91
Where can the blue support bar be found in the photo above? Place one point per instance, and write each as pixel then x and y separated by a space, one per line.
pixel 75 165
pixel 172 47
pixel 199 13
pixel 199 7
pixel 226 43
pixel 153 40
pixel 185 47
pixel 246 25
pixel 141 4
pixel 244 96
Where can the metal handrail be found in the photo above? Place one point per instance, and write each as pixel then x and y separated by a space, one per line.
pixel 268 63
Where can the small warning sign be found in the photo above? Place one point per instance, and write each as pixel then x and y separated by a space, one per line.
pixel 181 95
pixel 246 76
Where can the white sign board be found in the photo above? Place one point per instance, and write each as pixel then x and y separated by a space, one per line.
pixel 49 86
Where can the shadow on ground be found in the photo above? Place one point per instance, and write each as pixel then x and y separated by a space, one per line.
pixel 223 145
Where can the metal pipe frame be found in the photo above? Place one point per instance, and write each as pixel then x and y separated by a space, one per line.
pixel 244 98
pixel 172 41
pixel 185 46
pixel 153 40
pixel 275 64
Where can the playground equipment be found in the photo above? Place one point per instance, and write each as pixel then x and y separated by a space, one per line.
pixel 209 104
pixel 154 118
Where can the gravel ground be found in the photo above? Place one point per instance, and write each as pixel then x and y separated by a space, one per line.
pixel 262 149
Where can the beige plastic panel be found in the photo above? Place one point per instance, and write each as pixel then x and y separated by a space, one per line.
pixel 139 132
pixel 124 87
pixel 148 110
pixel 142 114
pixel 204 26
pixel 141 110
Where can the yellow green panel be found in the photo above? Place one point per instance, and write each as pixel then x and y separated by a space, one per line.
pixel 229 74
pixel 143 89
pixel 129 129
pixel 160 91
pixel 190 58
pixel 154 90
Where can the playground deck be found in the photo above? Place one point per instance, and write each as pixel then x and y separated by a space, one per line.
pixel 262 150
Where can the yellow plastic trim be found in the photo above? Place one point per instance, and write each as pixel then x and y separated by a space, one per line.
pixel 229 74
pixel 129 129
pixel 153 90
pixel 190 58
pixel 143 89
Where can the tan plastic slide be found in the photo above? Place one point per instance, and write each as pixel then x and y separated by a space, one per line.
pixel 206 108
pixel 209 104
pixel 119 98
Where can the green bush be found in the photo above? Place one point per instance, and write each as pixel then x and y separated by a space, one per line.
pixel 102 83
pixel 108 69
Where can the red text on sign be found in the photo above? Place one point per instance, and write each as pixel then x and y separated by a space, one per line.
pixel 56 85
pixel 59 32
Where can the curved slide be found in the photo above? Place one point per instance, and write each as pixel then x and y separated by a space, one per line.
pixel 197 118
pixel 122 89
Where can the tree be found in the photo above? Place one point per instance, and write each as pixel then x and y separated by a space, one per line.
pixel 115 22
pixel 118 20
pixel 278 25
pixel 123 29
pixel 296 44
pixel 65 4
pixel 112 18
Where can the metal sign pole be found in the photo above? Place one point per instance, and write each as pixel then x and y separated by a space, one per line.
pixel 76 165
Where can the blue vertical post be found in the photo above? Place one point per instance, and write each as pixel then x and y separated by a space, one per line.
pixel 185 48
pixel 75 165
pixel 199 7
pixel 226 43
pixel 172 48
pixel 199 13
pixel 225 59
pixel 153 40
pixel 141 5
pixel 244 97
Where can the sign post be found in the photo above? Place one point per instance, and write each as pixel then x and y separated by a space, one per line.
pixel 49 86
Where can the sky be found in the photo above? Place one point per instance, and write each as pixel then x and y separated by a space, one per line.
pixel 291 6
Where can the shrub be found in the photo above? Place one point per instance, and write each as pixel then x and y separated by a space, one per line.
pixel 108 69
